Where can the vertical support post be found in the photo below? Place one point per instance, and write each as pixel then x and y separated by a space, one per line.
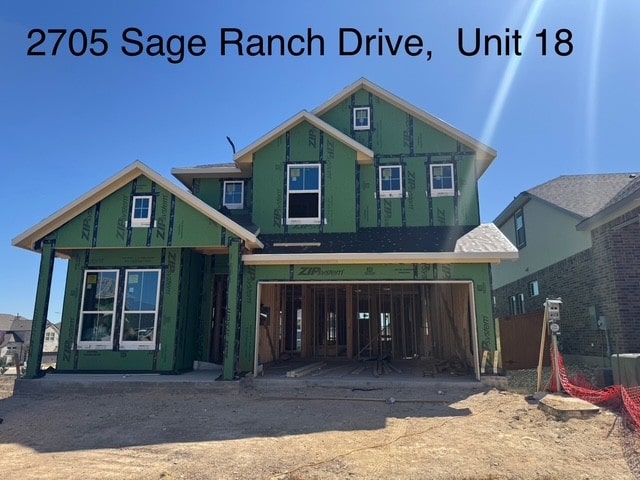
pixel 233 310
pixel 543 335
pixel 41 310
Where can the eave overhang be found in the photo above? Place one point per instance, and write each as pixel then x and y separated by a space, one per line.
pixel 186 175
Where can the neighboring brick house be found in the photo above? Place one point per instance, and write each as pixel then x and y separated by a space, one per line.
pixel 349 232
pixel 578 239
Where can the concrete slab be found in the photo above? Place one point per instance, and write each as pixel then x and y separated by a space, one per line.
pixel 89 384
pixel 564 407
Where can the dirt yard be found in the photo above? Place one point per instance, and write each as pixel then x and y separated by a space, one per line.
pixel 255 435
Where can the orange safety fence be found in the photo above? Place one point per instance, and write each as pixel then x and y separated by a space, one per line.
pixel 625 400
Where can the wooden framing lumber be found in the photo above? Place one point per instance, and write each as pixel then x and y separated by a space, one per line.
pixel 306 370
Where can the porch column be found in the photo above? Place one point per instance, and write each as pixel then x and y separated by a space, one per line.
pixel 234 295
pixel 41 310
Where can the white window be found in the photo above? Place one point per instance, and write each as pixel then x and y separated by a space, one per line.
pixel 233 194
pixel 521 237
pixel 534 288
pixel 442 182
pixel 361 118
pixel 390 181
pixel 516 304
pixel 303 194
pixel 141 211
pixel 98 308
pixel 140 309
pixel 49 336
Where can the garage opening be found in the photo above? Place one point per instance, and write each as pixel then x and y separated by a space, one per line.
pixel 360 321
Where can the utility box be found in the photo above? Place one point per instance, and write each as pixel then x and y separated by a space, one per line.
pixel 626 369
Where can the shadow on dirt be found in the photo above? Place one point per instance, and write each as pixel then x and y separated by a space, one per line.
pixel 102 414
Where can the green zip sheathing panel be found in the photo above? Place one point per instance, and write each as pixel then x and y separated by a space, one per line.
pixel 189 334
pixel 477 274
pixel 234 309
pixel 203 347
pixel 305 144
pixel 398 138
pixel 160 359
pixel 209 190
pixel 108 223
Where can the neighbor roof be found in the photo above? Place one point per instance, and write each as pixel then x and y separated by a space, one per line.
pixel 14 323
pixel 580 195
pixel 28 239
pixel 626 199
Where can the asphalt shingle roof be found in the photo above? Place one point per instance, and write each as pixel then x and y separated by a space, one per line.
pixel 14 323
pixel 584 195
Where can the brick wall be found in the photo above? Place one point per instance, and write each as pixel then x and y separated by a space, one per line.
pixel 616 251
pixel 571 279
pixel 606 276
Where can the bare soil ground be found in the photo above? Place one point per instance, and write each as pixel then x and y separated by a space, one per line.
pixel 254 434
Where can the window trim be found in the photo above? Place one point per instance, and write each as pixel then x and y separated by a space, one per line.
pixel 303 220
pixel 233 206
pixel 442 192
pixel 390 193
pixel 534 292
pixel 141 221
pixel 138 344
pixel 520 213
pixel 97 344
pixel 355 116
pixel 516 304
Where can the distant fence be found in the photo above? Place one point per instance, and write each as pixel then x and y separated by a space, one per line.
pixel 520 341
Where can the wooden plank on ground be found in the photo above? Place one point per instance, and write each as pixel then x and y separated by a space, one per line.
pixel 305 370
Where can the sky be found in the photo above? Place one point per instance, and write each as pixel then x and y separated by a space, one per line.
pixel 70 121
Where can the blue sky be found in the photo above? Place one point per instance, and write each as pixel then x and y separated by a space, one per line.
pixel 69 122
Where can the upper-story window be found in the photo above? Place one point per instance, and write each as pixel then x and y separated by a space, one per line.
pixel 233 194
pixel 390 181
pixel 518 220
pixel 141 211
pixel 303 193
pixel 361 118
pixel 442 181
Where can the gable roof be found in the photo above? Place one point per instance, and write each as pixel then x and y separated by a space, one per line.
pixel 29 238
pixel 626 199
pixel 579 195
pixel 484 154
pixel 245 156
pixel 10 323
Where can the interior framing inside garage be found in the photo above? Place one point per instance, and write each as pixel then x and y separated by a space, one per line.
pixel 429 320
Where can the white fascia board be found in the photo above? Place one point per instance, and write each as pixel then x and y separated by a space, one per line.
pixel 245 156
pixel 187 174
pixel 30 237
pixel 377 258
